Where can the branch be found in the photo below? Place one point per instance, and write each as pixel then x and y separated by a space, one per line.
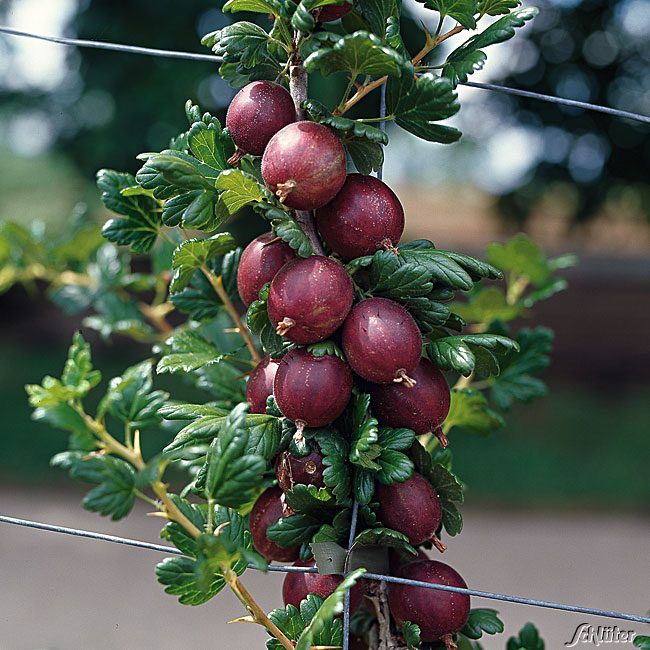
pixel 430 44
pixel 217 284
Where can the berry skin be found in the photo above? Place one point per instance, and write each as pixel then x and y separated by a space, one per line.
pixel 304 164
pixel 364 216
pixel 266 511
pixel 330 13
pixel 296 586
pixel 308 470
pixel 382 342
pixel 422 408
pixel 439 614
pixel 309 298
pixel 257 112
pixel 312 391
pixel 412 508
pixel 259 263
pixel 260 384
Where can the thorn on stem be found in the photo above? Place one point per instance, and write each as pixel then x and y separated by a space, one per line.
pixel 438 544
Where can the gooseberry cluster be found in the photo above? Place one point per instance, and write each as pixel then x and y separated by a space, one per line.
pixel 313 299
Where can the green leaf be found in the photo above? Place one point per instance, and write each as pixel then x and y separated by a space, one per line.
pixel 417 105
pixel 232 474
pixel 394 466
pixel 367 156
pixel 188 351
pixel 496 7
pixel 239 189
pixel 292 530
pixel 176 534
pixel 211 144
pixel 364 486
pixel 285 227
pixel 461 11
pixel 447 486
pixel 358 53
pixel 293 621
pixel 362 141
pixel 255 6
pixel 411 634
pixel 470 411
pixel 393 277
pixel 364 432
pixel 139 222
pixel 485 305
pixel 528 639
pixel 115 494
pixel 323 617
pixel 178 574
pixel 521 256
pixel 480 621
pixel 244 43
pixel 310 500
pixel 131 400
pixel 516 382
pixel 199 299
pixel 444 270
pixel 469 57
pixel 642 642
pixel 257 320
pixel 384 537
pixel 194 253
pixel 336 475
pixel 377 14
pixel 456 352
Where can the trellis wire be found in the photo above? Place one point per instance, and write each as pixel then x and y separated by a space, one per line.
pixel 370 576
pixel 192 56
pixel 346 601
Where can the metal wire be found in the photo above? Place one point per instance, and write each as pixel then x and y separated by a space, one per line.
pixel 116 47
pixel 370 576
pixel 559 100
pixel 346 602
pixel 175 54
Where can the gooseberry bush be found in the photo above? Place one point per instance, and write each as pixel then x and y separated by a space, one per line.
pixel 322 354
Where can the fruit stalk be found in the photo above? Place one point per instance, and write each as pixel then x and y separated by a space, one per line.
pixel 298 85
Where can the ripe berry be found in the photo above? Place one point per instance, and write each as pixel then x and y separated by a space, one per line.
pixel 364 216
pixel 396 560
pixel 331 13
pixel 260 384
pixel 421 408
pixel 412 508
pixel 259 263
pixel 308 470
pixel 266 511
pixel 309 298
pixel 382 342
pixel 439 614
pixel 304 164
pixel 257 112
pixel 312 391
pixel 296 586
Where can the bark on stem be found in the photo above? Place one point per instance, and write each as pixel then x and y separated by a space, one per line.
pixel 298 86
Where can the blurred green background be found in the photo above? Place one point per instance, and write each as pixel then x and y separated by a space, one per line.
pixel 576 182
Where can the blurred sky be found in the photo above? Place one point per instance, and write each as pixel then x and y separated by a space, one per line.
pixel 494 140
